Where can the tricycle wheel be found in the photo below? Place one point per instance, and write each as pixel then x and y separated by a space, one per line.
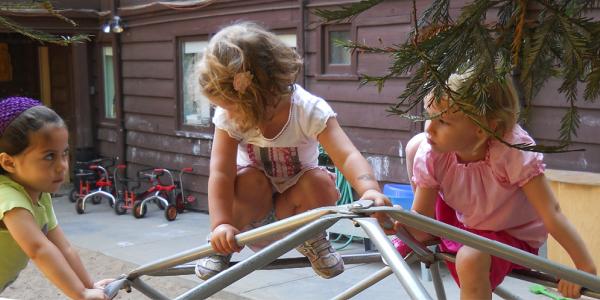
pixel 171 212
pixel 74 195
pixel 139 210
pixel 179 203
pixel 120 207
pixel 79 206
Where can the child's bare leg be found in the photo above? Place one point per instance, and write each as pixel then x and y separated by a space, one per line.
pixel 253 197
pixel 473 269
pixel 314 189
pixel 252 202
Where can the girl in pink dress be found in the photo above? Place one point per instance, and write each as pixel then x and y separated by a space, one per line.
pixel 464 177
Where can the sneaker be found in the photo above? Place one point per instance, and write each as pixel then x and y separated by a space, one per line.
pixel 324 260
pixel 210 266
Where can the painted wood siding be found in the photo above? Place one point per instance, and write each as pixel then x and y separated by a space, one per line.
pixel 154 135
pixel 380 136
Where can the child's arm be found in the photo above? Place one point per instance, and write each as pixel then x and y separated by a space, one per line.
pixel 424 204
pixel 540 195
pixel 221 182
pixel 348 159
pixel 57 237
pixel 46 255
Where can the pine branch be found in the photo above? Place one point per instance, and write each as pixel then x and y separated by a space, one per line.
pixel 36 34
pixel 556 40
pixel 592 89
pixel 346 13
pixel 43 36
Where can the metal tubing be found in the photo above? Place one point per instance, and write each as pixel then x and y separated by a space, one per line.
pixel 162 200
pixel 411 242
pixel 371 280
pixel 244 238
pixel 112 289
pixel 438 284
pixel 405 275
pixel 528 275
pixel 102 193
pixel 365 283
pixel 494 248
pixel 147 290
pixel 505 294
pixel 259 259
pixel 281 263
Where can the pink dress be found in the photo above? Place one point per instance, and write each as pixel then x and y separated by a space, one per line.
pixel 485 197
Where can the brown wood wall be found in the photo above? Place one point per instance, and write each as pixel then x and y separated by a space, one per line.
pixel 155 138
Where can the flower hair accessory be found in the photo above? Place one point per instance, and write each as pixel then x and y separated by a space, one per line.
pixel 241 81
pixel 12 107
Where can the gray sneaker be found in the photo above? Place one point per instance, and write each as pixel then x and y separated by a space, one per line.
pixel 210 266
pixel 324 260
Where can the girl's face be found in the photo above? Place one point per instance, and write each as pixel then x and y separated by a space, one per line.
pixel 42 166
pixel 453 131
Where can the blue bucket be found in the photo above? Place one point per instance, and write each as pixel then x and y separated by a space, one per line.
pixel 400 194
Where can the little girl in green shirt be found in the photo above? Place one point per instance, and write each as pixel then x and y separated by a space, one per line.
pixel 34 159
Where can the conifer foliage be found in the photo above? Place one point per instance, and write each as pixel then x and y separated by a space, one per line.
pixel 530 41
pixel 8 8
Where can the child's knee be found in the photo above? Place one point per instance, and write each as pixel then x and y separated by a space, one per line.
pixel 319 186
pixel 472 263
pixel 251 179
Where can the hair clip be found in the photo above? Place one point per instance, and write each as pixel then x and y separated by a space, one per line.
pixel 241 81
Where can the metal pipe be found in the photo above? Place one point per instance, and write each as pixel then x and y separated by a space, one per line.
pixel 147 290
pixel 405 275
pixel 438 284
pixel 282 263
pixel 505 294
pixel 302 40
pixel 371 280
pixel 494 248
pixel 365 283
pixel 112 289
pixel 244 238
pixel 259 259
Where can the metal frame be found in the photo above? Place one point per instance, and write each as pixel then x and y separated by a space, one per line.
pixel 100 191
pixel 312 222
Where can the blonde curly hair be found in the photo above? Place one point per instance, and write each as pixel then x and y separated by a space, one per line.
pixel 503 101
pixel 250 68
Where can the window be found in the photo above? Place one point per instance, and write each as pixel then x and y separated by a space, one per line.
pixel 289 40
pixel 109 83
pixel 196 107
pixel 338 55
pixel 336 60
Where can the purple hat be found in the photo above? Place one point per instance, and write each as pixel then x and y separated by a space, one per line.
pixel 12 107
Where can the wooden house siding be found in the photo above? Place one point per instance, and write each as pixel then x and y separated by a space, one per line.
pixel 150 88
pixel 149 62
pixel 380 136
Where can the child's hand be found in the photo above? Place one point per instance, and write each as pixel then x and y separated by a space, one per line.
pixel 573 290
pixel 101 284
pixel 569 289
pixel 380 199
pixel 222 239
pixel 94 294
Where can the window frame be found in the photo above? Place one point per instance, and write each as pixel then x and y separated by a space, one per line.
pixel 103 74
pixel 330 71
pixel 183 129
